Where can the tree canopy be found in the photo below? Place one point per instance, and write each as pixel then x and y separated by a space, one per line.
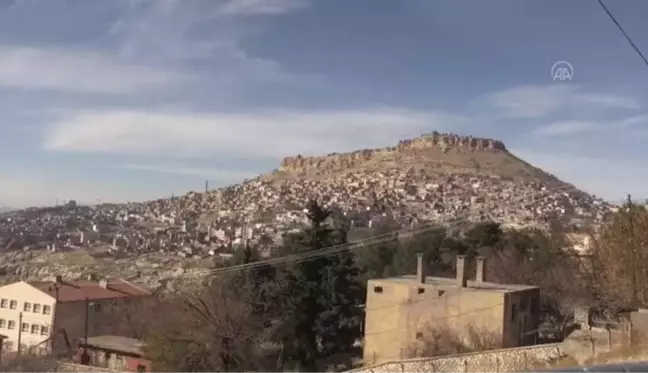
pixel 320 303
pixel 619 256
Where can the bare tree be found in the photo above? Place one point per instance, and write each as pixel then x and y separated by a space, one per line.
pixel 217 329
pixel 133 318
pixel 619 254
pixel 556 269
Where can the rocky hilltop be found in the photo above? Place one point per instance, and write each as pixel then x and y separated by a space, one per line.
pixel 434 177
pixel 435 152
pixel 425 145
pixel 437 177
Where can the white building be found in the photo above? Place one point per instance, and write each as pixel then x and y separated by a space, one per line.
pixel 34 315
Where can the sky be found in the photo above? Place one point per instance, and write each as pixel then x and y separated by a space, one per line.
pixel 139 99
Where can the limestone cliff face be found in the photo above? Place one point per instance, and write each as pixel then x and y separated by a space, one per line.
pixel 439 142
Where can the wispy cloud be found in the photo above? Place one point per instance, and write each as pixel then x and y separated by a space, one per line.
pixel 540 101
pixel 207 32
pixel 260 7
pixel 576 127
pixel 222 175
pixel 567 127
pixel 620 175
pixel 267 134
pixel 77 72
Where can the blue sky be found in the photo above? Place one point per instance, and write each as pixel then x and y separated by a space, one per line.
pixel 137 99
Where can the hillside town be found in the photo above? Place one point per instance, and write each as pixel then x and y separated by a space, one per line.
pixel 323 186
pixel 366 193
pixel 214 223
pixel 82 258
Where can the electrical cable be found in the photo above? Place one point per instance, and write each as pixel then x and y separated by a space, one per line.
pixel 337 249
pixel 625 34
pixel 333 250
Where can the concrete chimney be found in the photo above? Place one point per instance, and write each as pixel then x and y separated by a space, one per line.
pixel 103 283
pixel 462 276
pixel 480 276
pixel 420 268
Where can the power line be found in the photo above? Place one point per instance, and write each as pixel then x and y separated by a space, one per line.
pixel 618 25
pixel 338 249
pixel 364 243
pixel 332 250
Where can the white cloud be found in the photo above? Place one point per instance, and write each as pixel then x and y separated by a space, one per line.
pixel 222 175
pixel 567 127
pixel 575 127
pixel 540 101
pixel 609 178
pixel 268 134
pixel 258 7
pixel 76 71
pixel 633 121
pixel 181 33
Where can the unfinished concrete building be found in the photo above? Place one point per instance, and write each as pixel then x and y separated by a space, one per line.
pixel 401 310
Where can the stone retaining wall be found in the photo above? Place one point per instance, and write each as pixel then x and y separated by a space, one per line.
pixel 505 360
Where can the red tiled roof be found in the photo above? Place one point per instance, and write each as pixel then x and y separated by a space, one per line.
pixel 74 291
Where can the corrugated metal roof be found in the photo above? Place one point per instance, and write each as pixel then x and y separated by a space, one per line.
pixel 115 343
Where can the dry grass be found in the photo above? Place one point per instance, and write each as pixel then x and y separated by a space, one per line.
pixel 29 364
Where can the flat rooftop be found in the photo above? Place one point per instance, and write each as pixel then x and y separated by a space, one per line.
pixel 116 343
pixel 450 283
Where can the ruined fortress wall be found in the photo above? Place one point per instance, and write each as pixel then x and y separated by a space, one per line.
pixel 439 141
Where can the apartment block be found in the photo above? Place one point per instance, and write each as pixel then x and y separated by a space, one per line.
pixel 401 310
pixel 38 317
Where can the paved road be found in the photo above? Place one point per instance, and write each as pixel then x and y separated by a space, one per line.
pixel 631 367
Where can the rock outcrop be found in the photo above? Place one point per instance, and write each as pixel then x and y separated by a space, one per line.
pixel 434 142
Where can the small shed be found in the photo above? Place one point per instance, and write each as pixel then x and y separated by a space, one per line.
pixel 113 352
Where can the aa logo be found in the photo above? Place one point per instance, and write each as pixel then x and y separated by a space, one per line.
pixel 562 70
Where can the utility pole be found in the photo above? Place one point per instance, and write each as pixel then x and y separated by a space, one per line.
pixel 633 251
pixel 20 318
pixel 85 357
pixel 52 342
pixel 87 311
pixel 244 231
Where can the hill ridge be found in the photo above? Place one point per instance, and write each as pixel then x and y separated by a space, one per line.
pixel 434 141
